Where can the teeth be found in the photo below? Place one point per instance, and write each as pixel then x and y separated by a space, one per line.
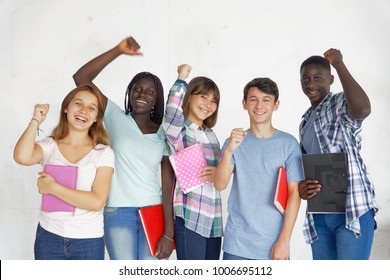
pixel 141 101
pixel 81 119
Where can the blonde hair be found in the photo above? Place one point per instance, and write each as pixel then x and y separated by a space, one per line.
pixel 97 131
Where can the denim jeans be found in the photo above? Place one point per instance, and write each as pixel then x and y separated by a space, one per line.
pixel 192 246
pixel 49 246
pixel 337 242
pixel 227 256
pixel 124 235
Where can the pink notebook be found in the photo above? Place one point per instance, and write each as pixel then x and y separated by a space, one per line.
pixel 65 176
pixel 187 164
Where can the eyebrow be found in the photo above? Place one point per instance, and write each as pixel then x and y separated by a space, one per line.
pixel 82 100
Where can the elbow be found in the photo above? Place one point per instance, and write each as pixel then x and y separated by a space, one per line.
pixel 220 186
pixel 76 78
pixel 98 206
pixel 366 112
pixel 20 159
pixel 361 114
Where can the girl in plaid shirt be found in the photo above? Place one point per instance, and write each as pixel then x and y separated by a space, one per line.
pixel 191 112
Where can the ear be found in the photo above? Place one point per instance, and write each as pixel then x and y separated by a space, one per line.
pixel 244 105
pixel 331 79
pixel 276 106
pixel 65 111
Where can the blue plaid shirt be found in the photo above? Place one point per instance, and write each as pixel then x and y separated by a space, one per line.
pixel 201 208
pixel 337 132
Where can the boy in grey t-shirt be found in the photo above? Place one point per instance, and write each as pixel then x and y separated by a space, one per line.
pixel 255 229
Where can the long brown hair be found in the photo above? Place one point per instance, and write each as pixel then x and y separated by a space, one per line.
pixel 97 131
pixel 202 85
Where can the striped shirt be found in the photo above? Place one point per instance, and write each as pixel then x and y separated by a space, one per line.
pixel 201 209
pixel 337 132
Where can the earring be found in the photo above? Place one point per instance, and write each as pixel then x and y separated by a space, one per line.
pixel 152 112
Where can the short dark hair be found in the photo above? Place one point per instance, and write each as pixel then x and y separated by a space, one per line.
pixel 202 85
pixel 263 84
pixel 316 59
pixel 158 112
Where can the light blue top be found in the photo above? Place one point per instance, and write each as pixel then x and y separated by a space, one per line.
pixel 136 181
pixel 254 223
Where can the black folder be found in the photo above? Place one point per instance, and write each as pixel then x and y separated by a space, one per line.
pixel 331 172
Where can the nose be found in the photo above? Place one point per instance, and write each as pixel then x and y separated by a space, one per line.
pixel 83 109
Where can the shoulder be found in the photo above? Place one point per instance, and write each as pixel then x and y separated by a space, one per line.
pixel 106 149
pixel 105 155
pixel 46 142
pixel 111 108
pixel 287 138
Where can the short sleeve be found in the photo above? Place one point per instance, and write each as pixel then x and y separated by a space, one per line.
pixel 47 145
pixel 107 157
pixel 110 109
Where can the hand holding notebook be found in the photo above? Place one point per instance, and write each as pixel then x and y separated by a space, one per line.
pixel 152 219
pixel 187 165
pixel 65 176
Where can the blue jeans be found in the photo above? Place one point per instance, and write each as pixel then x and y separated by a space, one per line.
pixel 337 242
pixel 124 235
pixel 227 256
pixel 49 246
pixel 192 246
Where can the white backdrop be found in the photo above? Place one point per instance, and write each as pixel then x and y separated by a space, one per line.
pixel 43 43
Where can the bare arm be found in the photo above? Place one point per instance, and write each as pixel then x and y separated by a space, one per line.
pixel 93 200
pixel 26 152
pixel 225 168
pixel 281 249
pixel 359 106
pixel 164 246
pixel 88 72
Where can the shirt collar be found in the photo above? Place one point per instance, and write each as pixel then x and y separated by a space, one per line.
pixel 194 127
pixel 318 108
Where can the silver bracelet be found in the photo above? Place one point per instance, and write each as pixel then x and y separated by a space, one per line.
pixel 38 129
pixel 170 239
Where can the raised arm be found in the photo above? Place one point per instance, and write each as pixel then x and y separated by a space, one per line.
pixel 26 152
pixel 359 106
pixel 88 72
pixel 173 121
pixel 225 167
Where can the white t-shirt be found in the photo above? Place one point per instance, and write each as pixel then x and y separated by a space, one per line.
pixel 82 223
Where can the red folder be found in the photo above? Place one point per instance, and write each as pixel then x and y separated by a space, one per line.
pixel 65 176
pixel 281 191
pixel 152 219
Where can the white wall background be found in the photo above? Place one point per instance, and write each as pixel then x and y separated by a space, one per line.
pixel 43 42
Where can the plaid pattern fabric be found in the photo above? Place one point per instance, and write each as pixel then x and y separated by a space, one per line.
pixel 201 209
pixel 337 132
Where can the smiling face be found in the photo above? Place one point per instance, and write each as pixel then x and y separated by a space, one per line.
pixel 315 83
pixel 143 96
pixel 260 106
pixel 201 106
pixel 82 110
